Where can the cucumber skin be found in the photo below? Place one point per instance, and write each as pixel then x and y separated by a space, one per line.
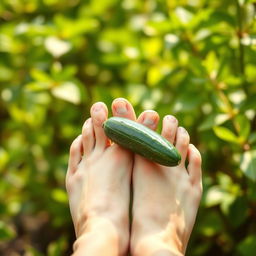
pixel 141 140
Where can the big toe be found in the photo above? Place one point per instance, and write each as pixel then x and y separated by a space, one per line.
pixel 149 118
pixel 123 108
pixel 99 113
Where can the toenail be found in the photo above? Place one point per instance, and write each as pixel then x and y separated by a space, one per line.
pixel 121 107
pixel 172 119
pixel 183 130
pixel 97 108
pixel 149 121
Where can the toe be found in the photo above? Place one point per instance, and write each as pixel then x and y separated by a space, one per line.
pixel 170 124
pixel 123 108
pixel 99 113
pixel 149 118
pixel 88 137
pixel 75 154
pixel 182 142
pixel 194 166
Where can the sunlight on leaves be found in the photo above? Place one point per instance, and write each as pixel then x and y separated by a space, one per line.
pixel 213 120
pixel 225 134
pixel 184 15
pixel 248 164
pixel 67 91
pixel 57 47
pixel 212 64
pixel 215 195
pixel 243 126
pixel 4 158
pixel 194 59
pixel 59 195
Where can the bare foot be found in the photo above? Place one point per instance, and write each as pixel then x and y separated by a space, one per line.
pixel 166 199
pixel 98 184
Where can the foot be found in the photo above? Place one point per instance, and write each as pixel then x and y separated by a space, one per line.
pixel 98 185
pixel 166 199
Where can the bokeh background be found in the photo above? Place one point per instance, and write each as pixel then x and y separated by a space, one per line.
pixel 195 59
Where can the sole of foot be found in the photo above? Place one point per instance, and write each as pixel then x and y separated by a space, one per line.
pixel 166 199
pixel 98 184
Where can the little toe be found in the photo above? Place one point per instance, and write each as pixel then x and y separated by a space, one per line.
pixel 194 166
pixel 88 137
pixel 149 118
pixel 75 155
pixel 99 113
pixel 123 108
pixel 182 142
pixel 169 130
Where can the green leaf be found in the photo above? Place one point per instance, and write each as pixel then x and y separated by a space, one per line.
pixel 215 196
pixel 39 86
pixel 186 103
pixel 242 2
pixel 225 134
pixel 5 73
pixel 213 120
pixel 6 232
pixel 211 64
pixel 248 103
pixel 171 40
pixel 39 75
pixel 211 224
pixel 243 126
pixel 247 246
pixel 67 91
pixel 4 158
pixel 184 15
pixel 252 138
pixel 57 248
pixel 248 164
pixel 59 195
pixel 238 211
pixel 57 47
pixel 251 191
pixel 157 73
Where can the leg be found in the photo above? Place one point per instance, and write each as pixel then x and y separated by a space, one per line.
pixel 98 184
pixel 166 199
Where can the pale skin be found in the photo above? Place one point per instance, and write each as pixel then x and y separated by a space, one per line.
pixel 98 181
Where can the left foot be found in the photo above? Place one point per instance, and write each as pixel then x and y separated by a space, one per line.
pixel 166 199
pixel 98 185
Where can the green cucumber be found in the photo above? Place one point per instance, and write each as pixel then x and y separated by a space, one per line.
pixel 141 140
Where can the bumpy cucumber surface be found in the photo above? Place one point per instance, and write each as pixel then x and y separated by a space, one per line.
pixel 141 140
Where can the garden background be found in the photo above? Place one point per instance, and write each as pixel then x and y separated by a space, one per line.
pixel 195 59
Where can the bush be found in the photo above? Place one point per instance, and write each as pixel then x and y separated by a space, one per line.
pixel 194 59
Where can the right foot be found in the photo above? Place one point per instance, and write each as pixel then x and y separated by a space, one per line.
pixel 98 185
pixel 166 199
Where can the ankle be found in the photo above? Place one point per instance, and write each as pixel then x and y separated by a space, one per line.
pixel 99 234
pixel 94 242
pixel 97 218
pixel 154 245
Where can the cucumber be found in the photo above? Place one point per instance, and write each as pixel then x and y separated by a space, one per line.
pixel 141 140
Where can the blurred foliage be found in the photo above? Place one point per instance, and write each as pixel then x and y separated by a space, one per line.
pixel 195 59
